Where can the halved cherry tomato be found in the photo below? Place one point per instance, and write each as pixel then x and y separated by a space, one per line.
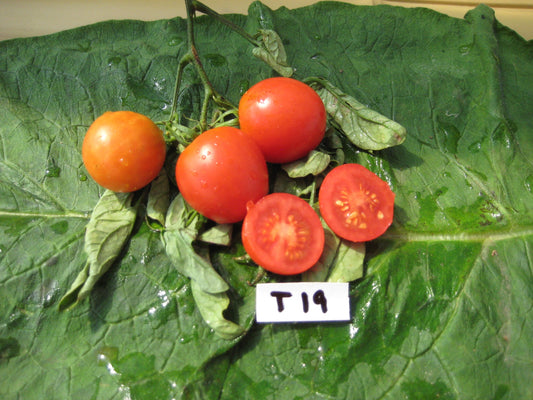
pixel 220 172
pixel 283 234
pixel 356 203
pixel 123 150
pixel 284 116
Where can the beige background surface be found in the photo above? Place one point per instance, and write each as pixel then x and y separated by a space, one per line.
pixel 22 18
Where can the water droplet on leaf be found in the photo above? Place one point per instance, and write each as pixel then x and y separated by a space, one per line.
pixel 52 171
pixel 175 41
pixel 159 84
pixel 503 134
pixel 9 348
pixel 106 356
pixel 60 227
pixel 216 60
pixel 475 147
pixel 464 50
pixel 448 137
pixel 529 183
pixel 113 61
pixel 84 45
pixel 244 85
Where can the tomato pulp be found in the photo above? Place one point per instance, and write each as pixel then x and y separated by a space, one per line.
pixel 284 116
pixel 123 151
pixel 220 172
pixel 283 234
pixel 356 203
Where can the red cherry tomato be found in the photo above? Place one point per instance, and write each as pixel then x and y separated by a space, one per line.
pixel 283 234
pixel 356 203
pixel 123 151
pixel 220 172
pixel 284 116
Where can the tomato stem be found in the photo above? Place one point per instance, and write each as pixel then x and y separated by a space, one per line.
pixel 192 57
pixel 223 108
pixel 209 91
pixel 261 273
pixel 185 60
pixel 198 6
pixel 313 193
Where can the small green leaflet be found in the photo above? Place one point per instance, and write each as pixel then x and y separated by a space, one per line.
pixel 341 261
pixel 219 234
pixel 212 306
pixel 181 229
pixel 158 198
pixel 315 163
pixel 209 289
pixel 348 265
pixel 272 52
pixel 108 230
pixel 364 127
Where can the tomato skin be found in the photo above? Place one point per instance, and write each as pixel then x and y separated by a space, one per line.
pixel 283 234
pixel 356 203
pixel 220 172
pixel 285 117
pixel 123 151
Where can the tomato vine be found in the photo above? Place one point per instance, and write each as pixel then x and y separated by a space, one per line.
pixel 180 226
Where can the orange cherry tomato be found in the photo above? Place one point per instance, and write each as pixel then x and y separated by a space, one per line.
pixel 123 151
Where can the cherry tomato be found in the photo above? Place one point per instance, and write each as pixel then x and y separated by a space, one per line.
pixel 283 234
pixel 356 203
pixel 284 116
pixel 220 172
pixel 123 151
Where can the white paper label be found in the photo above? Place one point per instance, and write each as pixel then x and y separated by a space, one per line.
pixel 302 302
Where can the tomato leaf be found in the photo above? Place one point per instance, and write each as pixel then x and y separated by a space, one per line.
pixel 341 260
pixel 272 52
pixel 366 128
pixel 208 287
pixel 181 230
pixel 302 187
pixel 219 234
pixel 158 198
pixel 348 265
pixel 322 269
pixel 270 48
pixel 314 164
pixel 211 306
pixel 108 230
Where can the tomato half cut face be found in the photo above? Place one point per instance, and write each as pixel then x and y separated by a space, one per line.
pixel 356 203
pixel 283 234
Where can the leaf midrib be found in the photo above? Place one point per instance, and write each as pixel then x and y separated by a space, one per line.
pixel 497 235
pixel 47 215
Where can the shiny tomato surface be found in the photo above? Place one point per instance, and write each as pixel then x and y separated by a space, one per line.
pixel 284 116
pixel 220 172
pixel 123 150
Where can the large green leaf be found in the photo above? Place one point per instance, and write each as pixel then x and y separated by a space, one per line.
pixel 445 308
